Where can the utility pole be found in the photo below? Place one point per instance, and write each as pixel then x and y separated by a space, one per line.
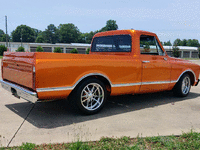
pixel 6 32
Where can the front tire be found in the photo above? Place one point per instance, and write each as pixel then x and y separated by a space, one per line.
pixel 90 96
pixel 182 88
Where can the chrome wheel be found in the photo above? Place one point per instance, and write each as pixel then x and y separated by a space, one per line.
pixel 182 87
pixel 186 85
pixel 92 96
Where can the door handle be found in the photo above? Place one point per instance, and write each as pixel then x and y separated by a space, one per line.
pixel 145 61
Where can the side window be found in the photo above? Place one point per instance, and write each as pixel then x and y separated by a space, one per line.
pixel 149 45
pixel 116 43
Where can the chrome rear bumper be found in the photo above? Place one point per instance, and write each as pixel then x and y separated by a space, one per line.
pixel 19 91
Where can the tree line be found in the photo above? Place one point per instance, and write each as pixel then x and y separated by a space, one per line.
pixel 184 42
pixel 69 33
pixel 64 33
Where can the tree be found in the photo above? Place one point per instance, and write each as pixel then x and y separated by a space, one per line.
pixel 39 49
pixel 193 42
pixel 177 42
pixel 87 37
pixel 175 51
pixel 168 43
pixel 39 39
pixel 199 52
pixel 75 51
pixel 110 25
pixel 20 49
pixel 1 35
pixel 57 50
pixel 50 35
pixel 36 32
pixel 87 51
pixel 2 49
pixel 184 42
pixel 25 32
pixel 68 33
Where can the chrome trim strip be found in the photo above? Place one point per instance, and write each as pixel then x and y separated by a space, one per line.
pixel 20 91
pixel 173 81
pixel 126 84
pixel 55 89
pixel 157 82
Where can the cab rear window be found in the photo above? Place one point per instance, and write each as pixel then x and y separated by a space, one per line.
pixel 116 43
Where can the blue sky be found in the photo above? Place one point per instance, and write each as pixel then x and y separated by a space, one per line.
pixel 169 19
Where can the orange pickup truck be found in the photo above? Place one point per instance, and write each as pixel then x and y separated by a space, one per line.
pixel 120 62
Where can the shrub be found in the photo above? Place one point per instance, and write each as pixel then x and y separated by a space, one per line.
pixel 39 49
pixel 57 50
pixel 20 49
pixel 175 51
pixel 2 49
pixel 74 51
pixel 199 52
pixel 87 51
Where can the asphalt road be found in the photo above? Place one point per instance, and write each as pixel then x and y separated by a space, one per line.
pixel 55 122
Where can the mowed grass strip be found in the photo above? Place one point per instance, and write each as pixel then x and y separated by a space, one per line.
pixel 189 140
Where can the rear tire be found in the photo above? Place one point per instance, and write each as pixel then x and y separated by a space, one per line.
pixel 182 87
pixel 90 96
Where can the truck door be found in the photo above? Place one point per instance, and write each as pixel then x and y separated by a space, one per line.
pixel 155 67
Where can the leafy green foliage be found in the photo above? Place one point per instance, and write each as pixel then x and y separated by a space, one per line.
pixel 50 35
pixel 87 51
pixel 199 51
pixel 2 49
pixel 69 33
pixel 110 25
pixel 20 49
pixel 75 51
pixel 168 43
pixel 1 35
pixel 57 50
pixel 39 39
pixel 177 42
pixel 175 51
pixel 189 42
pixel 39 49
pixel 27 146
pixel 87 37
pixel 26 32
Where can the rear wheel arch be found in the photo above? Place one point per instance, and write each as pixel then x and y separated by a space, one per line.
pixel 102 78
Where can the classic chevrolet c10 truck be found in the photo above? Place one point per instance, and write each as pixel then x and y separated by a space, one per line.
pixel 120 62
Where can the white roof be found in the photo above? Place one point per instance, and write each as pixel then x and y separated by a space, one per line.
pixel 80 44
pixel 62 44
pixel 181 48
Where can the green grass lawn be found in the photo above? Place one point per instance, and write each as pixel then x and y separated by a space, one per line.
pixel 189 140
pixel 1 57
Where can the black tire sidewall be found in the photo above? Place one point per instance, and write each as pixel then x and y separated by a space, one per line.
pixel 178 87
pixel 77 96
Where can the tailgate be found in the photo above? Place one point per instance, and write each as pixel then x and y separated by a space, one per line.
pixel 18 68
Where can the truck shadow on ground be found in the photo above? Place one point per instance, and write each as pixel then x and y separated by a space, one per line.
pixel 60 113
